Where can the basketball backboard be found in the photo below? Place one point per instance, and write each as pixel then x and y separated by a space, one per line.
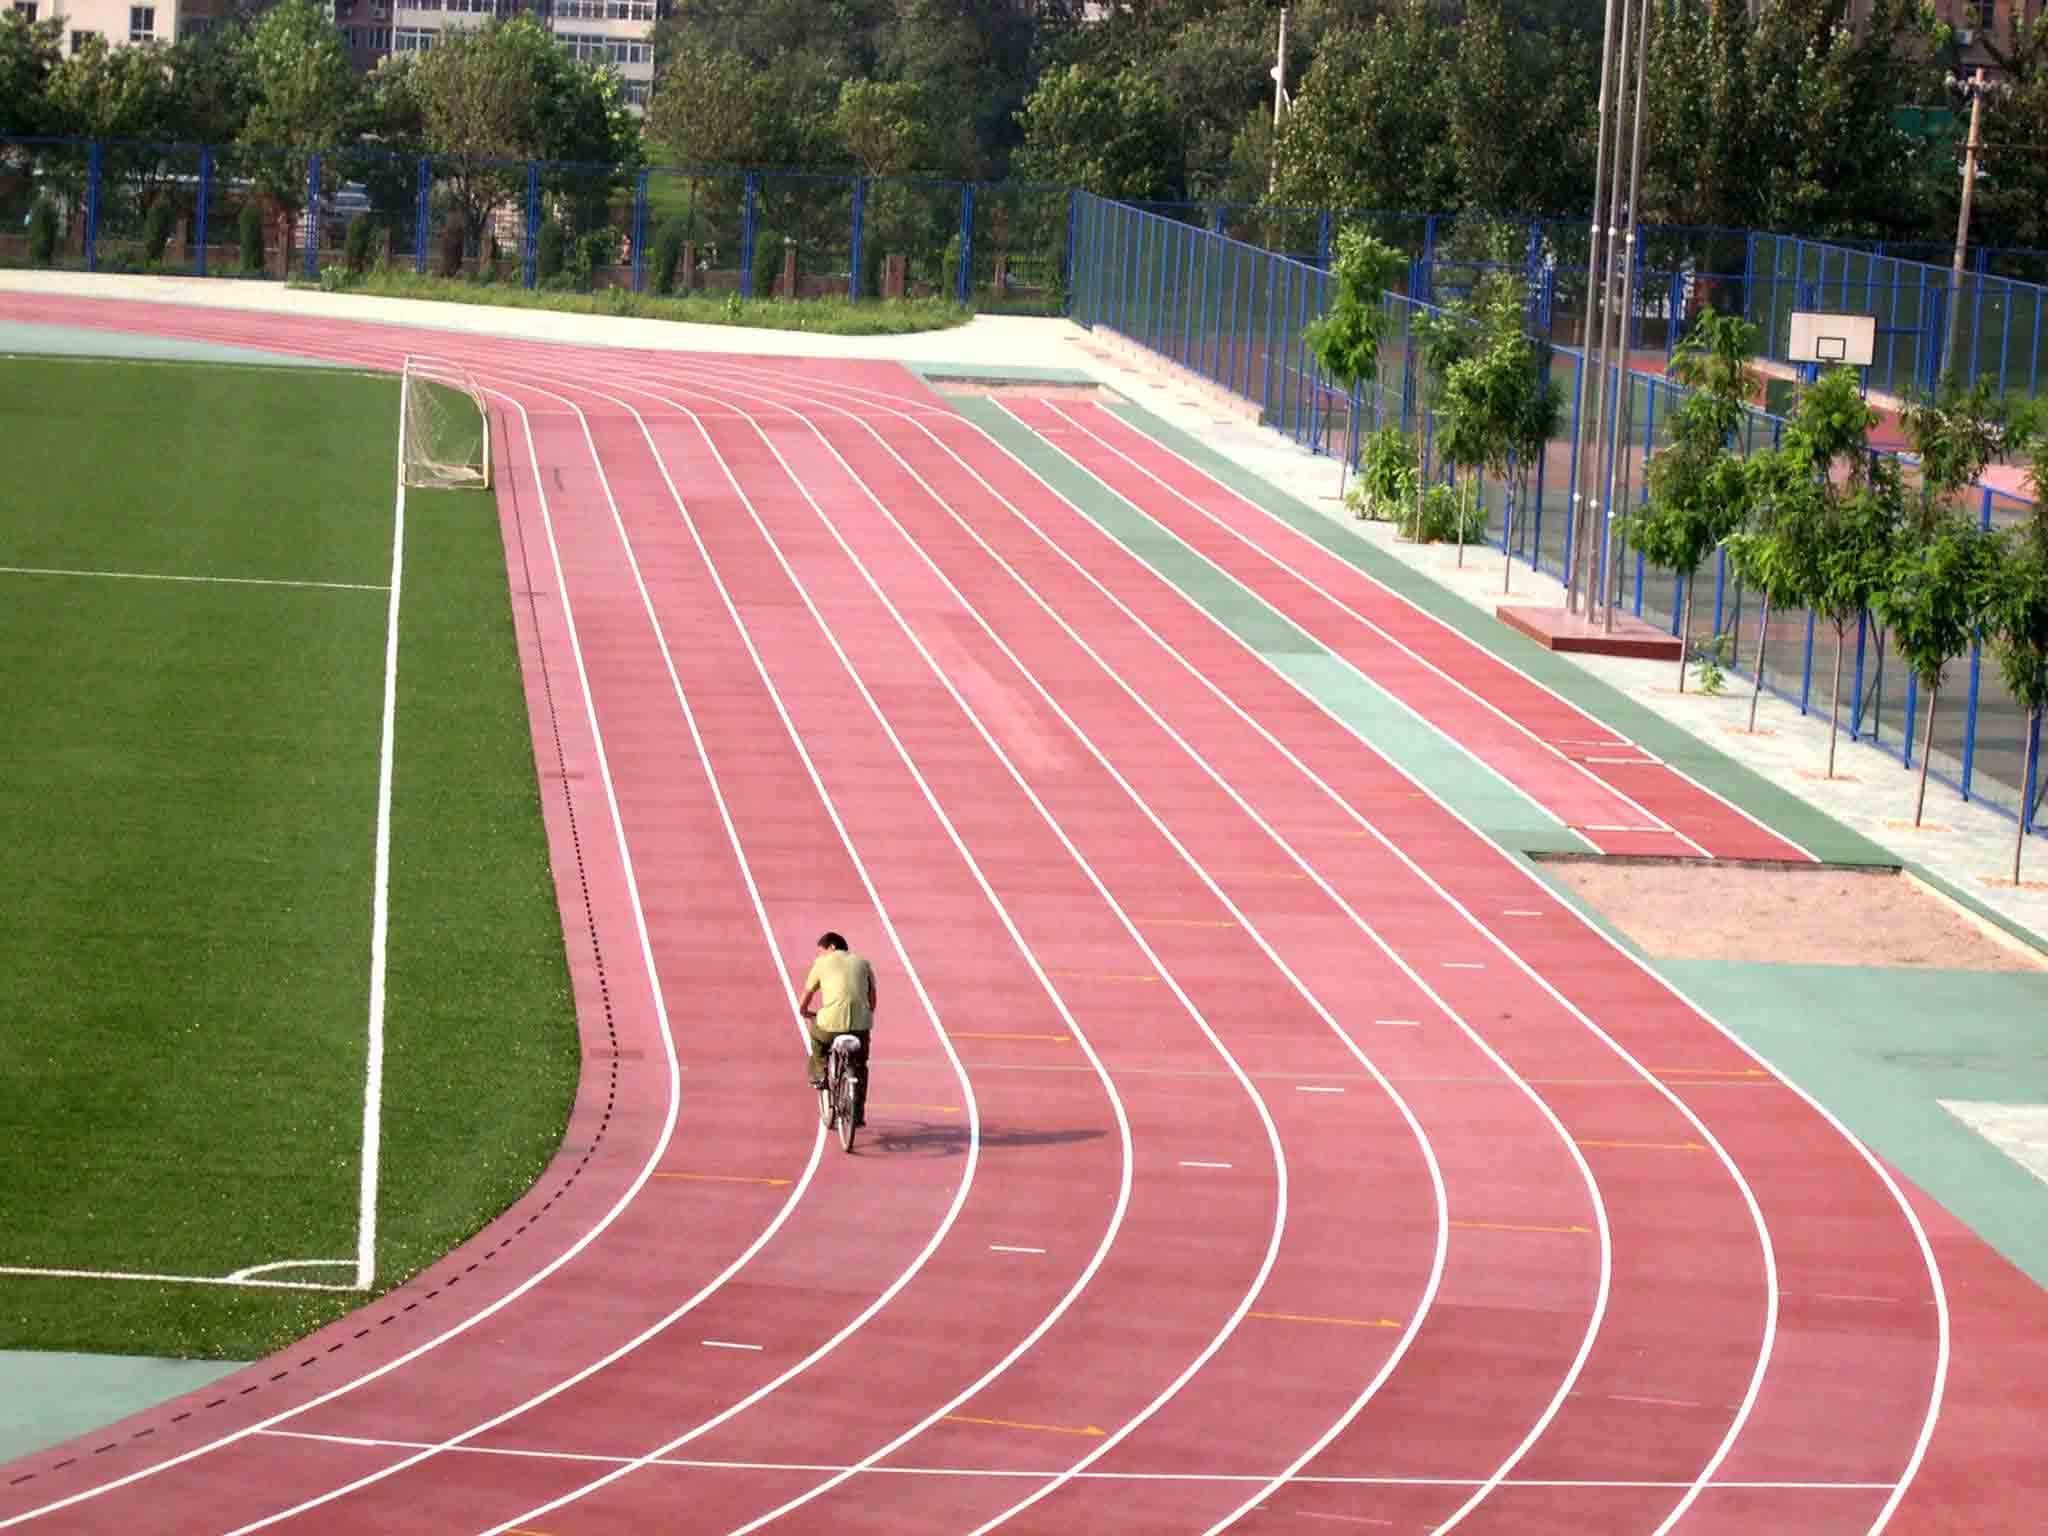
pixel 1820 338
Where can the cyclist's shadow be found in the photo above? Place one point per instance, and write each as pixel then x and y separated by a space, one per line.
pixel 933 1139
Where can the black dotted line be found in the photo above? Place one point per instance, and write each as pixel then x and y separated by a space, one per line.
pixel 611 1053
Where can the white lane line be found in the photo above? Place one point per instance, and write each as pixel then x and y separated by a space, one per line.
pixel 1628 762
pixel 1628 829
pixel 1189 1162
pixel 1399 1023
pixel 1565 1140
pixel 728 1344
pixel 1009 1248
pixel 1464 965
pixel 1271 1256
pixel 1315 1088
pixel 1338 603
pixel 1078 1034
pixel 1521 912
pixel 207 581
pixel 1032 1474
pixel 659 1153
pixel 654 1157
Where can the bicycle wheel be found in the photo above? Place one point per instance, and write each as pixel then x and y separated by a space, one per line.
pixel 825 1093
pixel 848 1087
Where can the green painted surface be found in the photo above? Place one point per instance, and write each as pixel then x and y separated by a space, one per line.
pixel 22 338
pixel 1776 807
pixel 1879 1047
pixel 51 1397
pixel 1436 763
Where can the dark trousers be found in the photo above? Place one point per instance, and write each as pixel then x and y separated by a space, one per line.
pixel 821 1046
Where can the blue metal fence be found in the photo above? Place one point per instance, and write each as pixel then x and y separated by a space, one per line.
pixel 1234 313
pixel 122 205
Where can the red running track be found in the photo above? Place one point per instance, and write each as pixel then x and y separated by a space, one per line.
pixel 1212 1180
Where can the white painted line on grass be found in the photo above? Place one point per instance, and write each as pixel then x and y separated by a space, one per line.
pixel 238 1278
pixel 210 581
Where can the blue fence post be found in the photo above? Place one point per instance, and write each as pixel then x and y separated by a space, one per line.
pixel 1856 684
pixel 205 186
pixel 529 248
pixel 1266 388
pixel 1429 240
pixel 2030 797
pixel 747 235
pixel 313 217
pixel 1806 667
pixel 92 208
pixel 854 264
pixel 1720 588
pixel 640 233
pixel 966 280
pixel 1912 717
pixel 1643 499
pixel 1216 218
pixel 419 216
pixel 1074 234
pixel 1324 222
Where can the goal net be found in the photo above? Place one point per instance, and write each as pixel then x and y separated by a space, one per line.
pixel 446 431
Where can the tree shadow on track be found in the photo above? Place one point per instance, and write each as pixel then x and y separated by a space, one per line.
pixel 930 1139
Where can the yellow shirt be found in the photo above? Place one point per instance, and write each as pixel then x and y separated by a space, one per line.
pixel 842 979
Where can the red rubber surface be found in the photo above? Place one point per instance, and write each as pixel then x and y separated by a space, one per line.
pixel 1560 1256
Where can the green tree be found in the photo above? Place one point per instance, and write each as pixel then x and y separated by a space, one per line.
pixel 302 91
pixel 1370 126
pixel 2011 205
pixel 882 126
pixel 1115 137
pixel 975 63
pixel 1932 602
pixel 1213 71
pixel 2016 620
pixel 1698 492
pixel 1521 114
pixel 30 52
pixel 1346 340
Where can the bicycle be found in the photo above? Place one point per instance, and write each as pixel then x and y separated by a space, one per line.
pixel 840 1093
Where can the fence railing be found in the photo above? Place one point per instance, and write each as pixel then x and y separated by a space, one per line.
pixel 178 208
pixel 1235 313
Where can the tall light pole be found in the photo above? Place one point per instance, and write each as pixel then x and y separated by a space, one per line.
pixel 1624 394
pixel 1279 107
pixel 1976 88
pixel 1588 376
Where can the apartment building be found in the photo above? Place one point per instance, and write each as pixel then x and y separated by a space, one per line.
pixel 120 21
pixel 615 32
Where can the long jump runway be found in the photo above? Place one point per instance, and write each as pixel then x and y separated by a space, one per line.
pixel 1255 1144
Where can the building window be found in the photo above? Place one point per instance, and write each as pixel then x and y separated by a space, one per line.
pixel 78 39
pixel 413 39
pixel 26 10
pixel 141 23
pixel 1982 14
pixel 636 93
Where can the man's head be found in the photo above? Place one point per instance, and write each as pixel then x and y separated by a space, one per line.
pixel 832 941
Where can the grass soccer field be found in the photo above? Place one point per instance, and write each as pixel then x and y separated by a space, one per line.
pixel 195 572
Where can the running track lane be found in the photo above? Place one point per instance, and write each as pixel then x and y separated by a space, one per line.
pixel 1958 1377
pixel 1618 796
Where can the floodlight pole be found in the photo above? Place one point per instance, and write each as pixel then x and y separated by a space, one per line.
pixel 1624 394
pixel 1587 374
pixel 1279 105
pixel 1595 511
pixel 1970 150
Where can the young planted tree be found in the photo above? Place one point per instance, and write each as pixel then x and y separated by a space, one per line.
pixel 1346 341
pixel 1495 407
pixel 1699 494
pixel 2015 598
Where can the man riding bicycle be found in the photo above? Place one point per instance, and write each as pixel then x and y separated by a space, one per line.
pixel 839 999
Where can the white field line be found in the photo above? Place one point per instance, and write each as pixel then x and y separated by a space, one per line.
pixel 1343 607
pixel 211 581
pixel 767 933
pixel 1403 598
pixel 1029 1474
pixel 952 1214
pixel 603 1223
pixel 239 1277
pixel 1422 1140
pixel 1115 1224
pixel 380 890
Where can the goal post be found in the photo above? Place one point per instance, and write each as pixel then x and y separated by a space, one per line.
pixel 445 428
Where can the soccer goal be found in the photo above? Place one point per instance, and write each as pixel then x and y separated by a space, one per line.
pixel 446 430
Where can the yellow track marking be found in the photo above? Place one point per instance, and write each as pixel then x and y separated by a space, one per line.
pixel 978 1034
pixel 1335 1322
pixel 1513 1226
pixel 943 1109
pixel 1092 1431
pixel 721 1178
pixel 1651 1146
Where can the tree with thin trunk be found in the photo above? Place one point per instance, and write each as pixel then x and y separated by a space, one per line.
pixel 1699 494
pixel 1932 602
pixel 2016 616
pixel 1346 341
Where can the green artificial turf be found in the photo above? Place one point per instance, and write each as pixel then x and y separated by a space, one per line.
pixel 191 793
